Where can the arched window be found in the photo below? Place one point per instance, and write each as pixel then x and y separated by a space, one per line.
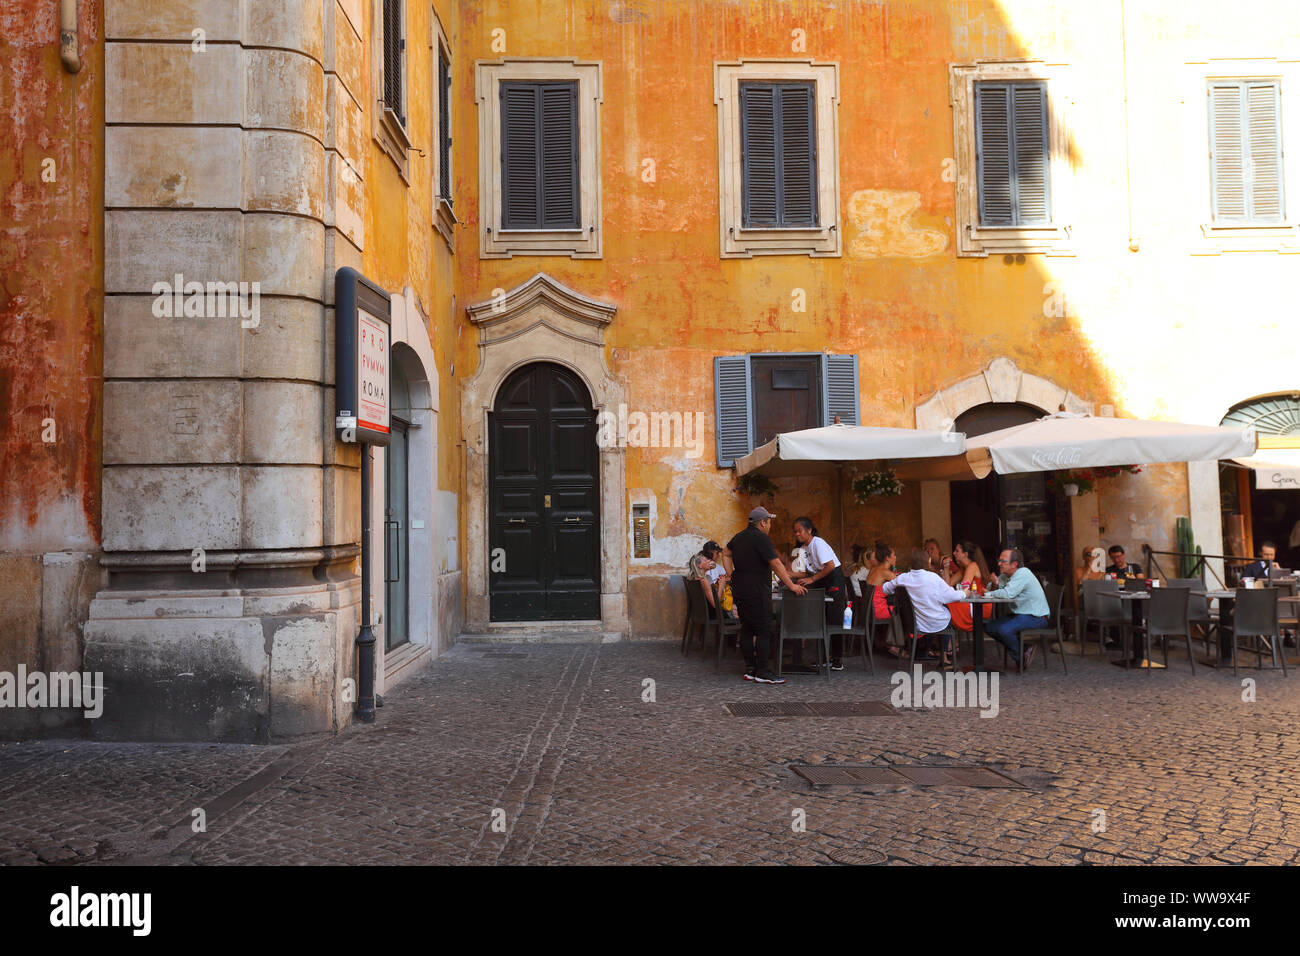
pixel 1276 419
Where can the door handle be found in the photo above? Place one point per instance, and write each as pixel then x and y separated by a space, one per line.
pixel 547 502
pixel 516 521
pixel 393 564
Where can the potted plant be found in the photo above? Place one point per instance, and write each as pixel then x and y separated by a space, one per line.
pixel 755 486
pixel 1084 480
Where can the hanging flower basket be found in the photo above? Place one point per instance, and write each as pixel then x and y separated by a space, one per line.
pixel 1084 481
pixel 876 484
pixel 755 486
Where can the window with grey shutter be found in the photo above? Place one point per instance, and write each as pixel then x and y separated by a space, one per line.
pixel 1012 154
pixel 778 137
pixel 394 45
pixel 444 129
pixel 742 395
pixel 539 155
pixel 840 373
pixel 1246 151
pixel 732 408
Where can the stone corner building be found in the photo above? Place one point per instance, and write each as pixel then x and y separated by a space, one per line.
pixel 730 219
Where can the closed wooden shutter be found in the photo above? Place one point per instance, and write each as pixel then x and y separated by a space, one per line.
pixel 1245 151
pixel 840 373
pixel 444 129
pixel 393 45
pixel 559 135
pixel 1013 154
pixel 778 130
pixel 539 155
pixel 732 404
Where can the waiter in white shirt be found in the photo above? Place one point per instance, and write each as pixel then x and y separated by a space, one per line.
pixel 825 572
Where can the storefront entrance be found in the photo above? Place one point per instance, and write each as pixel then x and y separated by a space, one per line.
pixel 1014 511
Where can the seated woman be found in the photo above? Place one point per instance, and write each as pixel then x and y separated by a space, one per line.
pixel 970 568
pixel 882 560
pixel 704 568
pixel 1093 567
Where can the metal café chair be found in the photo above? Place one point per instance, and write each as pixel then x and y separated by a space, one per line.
pixel 1104 612
pixel 803 618
pixel 906 614
pixel 723 627
pixel 1198 608
pixel 1255 615
pixel 1169 616
pixel 864 624
pixel 1055 594
pixel 697 610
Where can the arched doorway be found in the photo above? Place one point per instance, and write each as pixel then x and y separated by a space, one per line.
pixel 397 515
pixel 543 498
pixel 1014 511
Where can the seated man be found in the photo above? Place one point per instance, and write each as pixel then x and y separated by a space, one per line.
pixel 930 596
pixel 1029 610
pixel 1265 566
pixel 1118 566
pixel 704 567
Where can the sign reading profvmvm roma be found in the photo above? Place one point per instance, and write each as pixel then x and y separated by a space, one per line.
pixel 362 373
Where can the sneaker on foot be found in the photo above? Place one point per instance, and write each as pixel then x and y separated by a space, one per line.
pixel 750 672
pixel 837 664
pixel 767 677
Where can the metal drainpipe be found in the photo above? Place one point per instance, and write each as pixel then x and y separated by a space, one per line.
pixel 68 36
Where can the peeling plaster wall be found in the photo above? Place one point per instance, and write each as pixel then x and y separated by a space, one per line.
pixel 51 357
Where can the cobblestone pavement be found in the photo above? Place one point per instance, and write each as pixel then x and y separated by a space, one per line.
pixel 558 747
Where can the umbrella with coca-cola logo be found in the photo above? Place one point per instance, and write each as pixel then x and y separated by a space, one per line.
pixel 1066 440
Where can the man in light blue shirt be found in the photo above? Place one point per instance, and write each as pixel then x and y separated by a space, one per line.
pixel 1029 609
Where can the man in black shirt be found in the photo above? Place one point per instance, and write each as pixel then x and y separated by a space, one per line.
pixel 1119 567
pixel 750 558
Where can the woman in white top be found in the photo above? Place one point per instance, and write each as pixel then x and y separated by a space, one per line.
pixel 825 572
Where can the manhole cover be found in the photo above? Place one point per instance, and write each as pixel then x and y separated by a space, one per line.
pixel 838 775
pixel 858 857
pixel 927 776
pixel 828 776
pixel 981 777
pixel 854 708
pixel 751 708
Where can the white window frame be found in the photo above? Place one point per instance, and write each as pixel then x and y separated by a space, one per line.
pixel 497 243
pixel 736 241
pixel 1203 235
pixel 393 137
pixel 980 241
pixel 444 216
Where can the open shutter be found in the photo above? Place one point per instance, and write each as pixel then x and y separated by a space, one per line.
pixel 840 373
pixel 393 58
pixel 1227 164
pixel 1029 107
pixel 732 405
pixel 519 179
pixel 1264 140
pixel 444 129
pixel 797 170
pixel 993 154
pixel 758 154
pixel 559 156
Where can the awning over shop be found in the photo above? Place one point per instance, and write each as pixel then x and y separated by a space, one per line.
pixel 910 453
pixel 1276 469
pixel 1066 440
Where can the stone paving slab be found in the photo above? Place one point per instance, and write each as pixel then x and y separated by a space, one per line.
pixel 556 757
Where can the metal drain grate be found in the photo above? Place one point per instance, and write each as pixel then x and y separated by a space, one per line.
pixel 817 708
pixel 832 775
pixel 857 708
pixel 858 857
pixel 504 654
pixel 751 708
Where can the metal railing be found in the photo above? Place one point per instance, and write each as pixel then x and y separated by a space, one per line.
pixel 1199 564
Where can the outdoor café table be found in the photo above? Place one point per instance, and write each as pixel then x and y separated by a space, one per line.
pixel 796 650
pixel 1225 599
pixel 1128 660
pixel 977 622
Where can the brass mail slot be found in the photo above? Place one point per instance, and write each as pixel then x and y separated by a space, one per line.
pixel 572 520
pixel 516 520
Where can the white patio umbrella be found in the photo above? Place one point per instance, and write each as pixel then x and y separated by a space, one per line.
pixel 1067 440
pixel 912 454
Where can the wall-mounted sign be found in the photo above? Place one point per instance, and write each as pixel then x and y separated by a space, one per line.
pixel 362 370
pixel 1277 479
